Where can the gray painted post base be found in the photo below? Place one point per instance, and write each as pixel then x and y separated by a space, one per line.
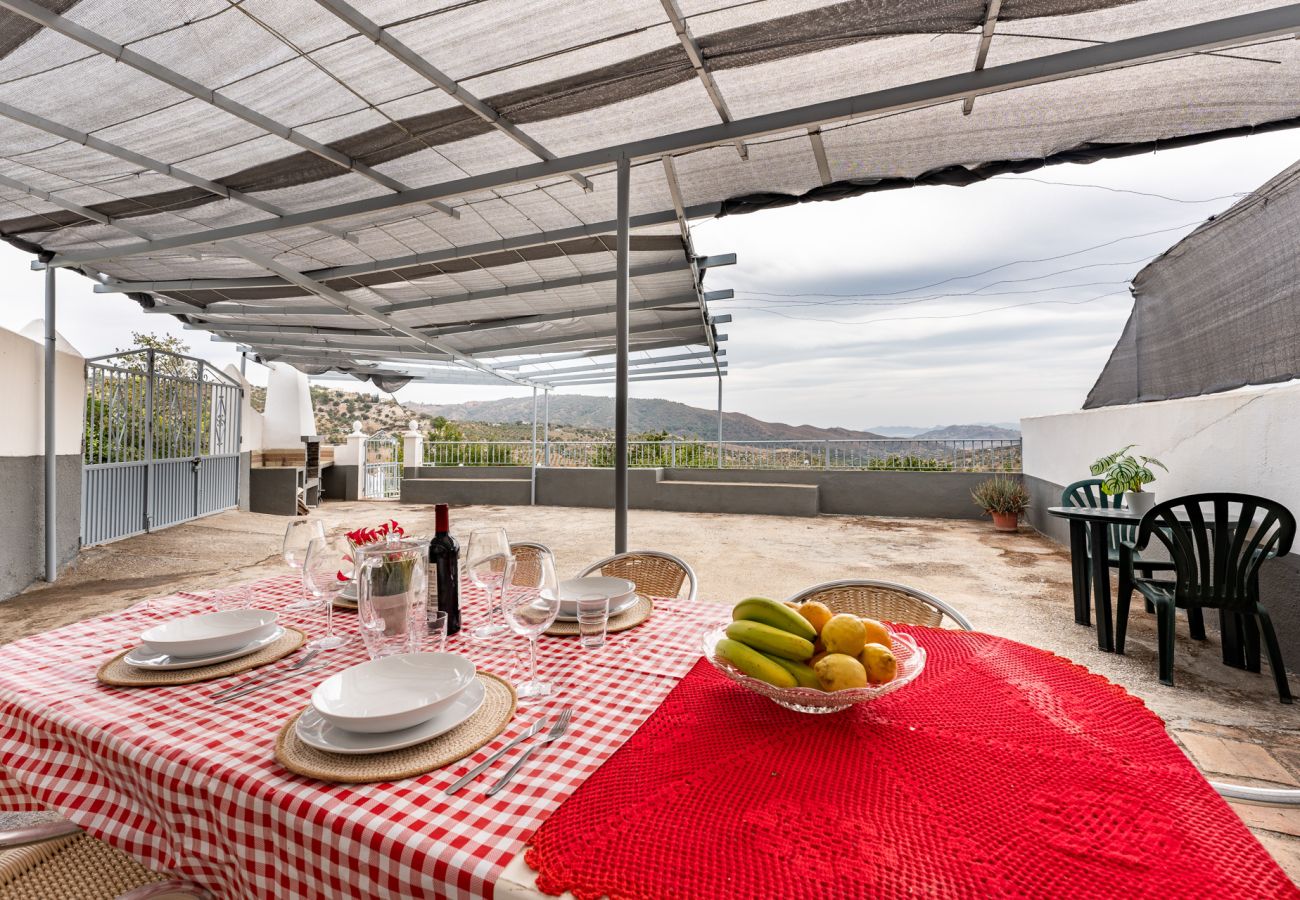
pixel 22 502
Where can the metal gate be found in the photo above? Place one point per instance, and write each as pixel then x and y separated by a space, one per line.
pixel 383 469
pixel 161 443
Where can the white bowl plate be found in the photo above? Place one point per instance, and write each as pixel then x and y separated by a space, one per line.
pixel 316 731
pixel 618 590
pixel 616 606
pixel 393 692
pixel 144 658
pixel 211 633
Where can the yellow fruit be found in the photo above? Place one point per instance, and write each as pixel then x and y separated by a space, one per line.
pixel 817 614
pixel 877 633
pixel 879 662
pixel 777 615
pixel 753 663
pixel 791 604
pixel 802 673
pixel 840 672
pixel 770 640
pixel 844 633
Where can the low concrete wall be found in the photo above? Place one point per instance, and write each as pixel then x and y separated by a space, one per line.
pixel 22 508
pixel 487 491
pixel 341 482
pixel 274 490
pixel 1239 441
pixel 744 491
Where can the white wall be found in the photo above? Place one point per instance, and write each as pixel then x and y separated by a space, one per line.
pixel 1246 440
pixel 251 423
pixel 22 372
pixel 289 416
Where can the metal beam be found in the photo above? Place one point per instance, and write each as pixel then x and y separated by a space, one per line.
pixel 701 67
pixel 71 207
pixel 51 436
pixel 819 153
pixel 604 335
pixel 684 226
pixel 714 260
pixel 991 12
pixel 519 242
pixel 635 370
pixel 622 332
pixel 531 287
pixel 703 373
pixel 421 66
pixel 35 12
pixel 561 316
pixel 1216 34
pixel 341 300
pixel 173 307
pixel 57 129
pixel 595 367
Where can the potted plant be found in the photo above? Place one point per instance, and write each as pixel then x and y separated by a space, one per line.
pixel 1123 473
pixel 1003 498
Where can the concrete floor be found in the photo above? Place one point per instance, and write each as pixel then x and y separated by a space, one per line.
pixel 1014 585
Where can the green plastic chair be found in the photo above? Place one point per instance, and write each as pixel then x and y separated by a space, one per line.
pixel 1216 566
pixel 1087 493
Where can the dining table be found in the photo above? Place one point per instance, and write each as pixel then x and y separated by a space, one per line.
pixel 1002 770
pixel 1090 548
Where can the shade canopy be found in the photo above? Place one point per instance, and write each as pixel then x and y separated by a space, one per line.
pixel 381 184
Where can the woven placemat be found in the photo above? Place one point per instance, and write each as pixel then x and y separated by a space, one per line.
pixel 118 674
pixel 491 719
pixel 631 617
pixel 340 603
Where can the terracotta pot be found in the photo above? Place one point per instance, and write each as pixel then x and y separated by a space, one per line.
pixel 1006 521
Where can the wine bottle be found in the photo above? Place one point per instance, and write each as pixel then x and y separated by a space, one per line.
pixel 444 555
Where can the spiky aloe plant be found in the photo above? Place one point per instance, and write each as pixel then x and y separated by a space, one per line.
pixel 1122 472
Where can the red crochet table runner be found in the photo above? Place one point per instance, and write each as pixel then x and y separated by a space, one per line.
pixel 1002 771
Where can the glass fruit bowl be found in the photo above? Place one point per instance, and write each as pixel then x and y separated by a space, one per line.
pixel 911 660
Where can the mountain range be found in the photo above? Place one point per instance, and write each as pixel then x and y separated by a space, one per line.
pixel 652 415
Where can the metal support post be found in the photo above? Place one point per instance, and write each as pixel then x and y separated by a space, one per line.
pixel 826 454
pixel 51 449
pixel 621 353
pixel 546 428
pixel 148 440
pixel 719 421
pixel 532 457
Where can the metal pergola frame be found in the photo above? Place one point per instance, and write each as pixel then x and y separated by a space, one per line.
pixel 1202 37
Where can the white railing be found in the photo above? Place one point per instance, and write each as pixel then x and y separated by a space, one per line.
pixel 883 454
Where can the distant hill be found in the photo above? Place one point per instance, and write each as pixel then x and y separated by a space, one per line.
pixel 644 415
pixel 904 431
pixel 968 433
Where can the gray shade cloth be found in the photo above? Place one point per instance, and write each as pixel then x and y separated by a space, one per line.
pixel 1217 310
pixel 221 114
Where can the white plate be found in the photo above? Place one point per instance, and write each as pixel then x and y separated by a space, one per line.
pixel 211 633
pixel 571 589
pixel 349 592
pixel 392 692
pixel 316 732
pixel 142 657
pixel 616 606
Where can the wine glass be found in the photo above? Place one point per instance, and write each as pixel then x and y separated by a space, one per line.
pixel 485 562
pixel 326 570
pixel 531 608
pixel 298 536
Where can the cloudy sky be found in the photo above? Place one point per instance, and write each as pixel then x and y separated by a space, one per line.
pixel 925 306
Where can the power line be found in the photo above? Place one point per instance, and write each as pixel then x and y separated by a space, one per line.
pixel 967 315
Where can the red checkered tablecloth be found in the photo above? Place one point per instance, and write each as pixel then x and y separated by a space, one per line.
pixel 193 788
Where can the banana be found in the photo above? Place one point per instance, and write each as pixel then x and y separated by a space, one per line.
pixel 753 663
pixel 770 640
pixel 802 672
pixel 778 615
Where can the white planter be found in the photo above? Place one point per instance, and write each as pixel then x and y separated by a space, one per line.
pixel 1139 502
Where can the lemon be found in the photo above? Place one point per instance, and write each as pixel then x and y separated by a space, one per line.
pixel 840 672
pixel 879 663
pixel 844 633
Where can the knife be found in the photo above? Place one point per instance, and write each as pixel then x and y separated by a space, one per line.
pixel 261 684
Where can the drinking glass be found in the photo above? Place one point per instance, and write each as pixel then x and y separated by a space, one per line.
pixel 530 609
pixel 437 630
pixel 485 563
pixel 298 535
pixel 392 588
pixel 593 620
pixel 326 570
pixel 237 596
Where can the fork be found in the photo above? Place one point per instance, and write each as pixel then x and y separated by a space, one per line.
pixel 249 682
pixel 557 731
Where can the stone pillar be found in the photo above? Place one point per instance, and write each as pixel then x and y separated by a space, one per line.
pixel 412 446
